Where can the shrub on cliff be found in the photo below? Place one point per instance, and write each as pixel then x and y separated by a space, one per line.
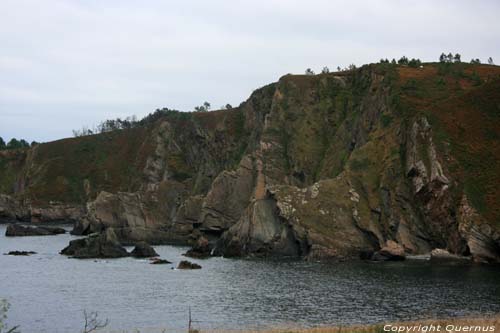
pixel 13 144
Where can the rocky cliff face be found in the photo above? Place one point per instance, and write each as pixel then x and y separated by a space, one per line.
pixel 326 167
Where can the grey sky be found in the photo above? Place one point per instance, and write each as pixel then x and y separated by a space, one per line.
pixel 65 64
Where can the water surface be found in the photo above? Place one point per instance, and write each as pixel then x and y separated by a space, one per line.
pixel 48 292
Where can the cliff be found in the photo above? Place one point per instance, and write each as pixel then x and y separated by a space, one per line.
pixel 323 166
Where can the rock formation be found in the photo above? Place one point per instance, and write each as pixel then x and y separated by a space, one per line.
pixel 103 245
pixel 371 163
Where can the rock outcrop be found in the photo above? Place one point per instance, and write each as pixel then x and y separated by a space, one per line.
pixel 103 245
pixel 261 232
pixel 483 240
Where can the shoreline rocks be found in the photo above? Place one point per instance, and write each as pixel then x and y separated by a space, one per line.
pixel 17 230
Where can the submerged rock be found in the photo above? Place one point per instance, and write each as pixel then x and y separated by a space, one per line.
pixel 184 264
pixel 103 245
pixel 201 249
pixel 143 250
pixel 15 230
pixel 19 253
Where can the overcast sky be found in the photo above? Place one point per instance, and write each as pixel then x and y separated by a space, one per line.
pixel 66 64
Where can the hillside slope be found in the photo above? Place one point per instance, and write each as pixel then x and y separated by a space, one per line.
pixel 323 166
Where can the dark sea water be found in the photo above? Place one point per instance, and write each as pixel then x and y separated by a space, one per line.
pixel 48 292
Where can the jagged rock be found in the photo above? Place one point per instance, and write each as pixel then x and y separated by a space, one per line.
pixel 184 264
pixel 445 255
pixel 228 197
pixel 261 232
pixel 103 245
pixel 483 241
pixel 392 251
pixel 19 253
pixel 14 230
pixel 158 261
pixel 201 249
pixel 143 250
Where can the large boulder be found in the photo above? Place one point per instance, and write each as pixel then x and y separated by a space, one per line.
pixel 143 250
pixel 103 245
pixel 21 230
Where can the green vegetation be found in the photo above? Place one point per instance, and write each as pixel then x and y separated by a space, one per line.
pixel 309 71
pixel 15 144
pixel 205 107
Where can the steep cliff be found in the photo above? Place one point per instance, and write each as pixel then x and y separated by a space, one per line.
pixel 322 166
